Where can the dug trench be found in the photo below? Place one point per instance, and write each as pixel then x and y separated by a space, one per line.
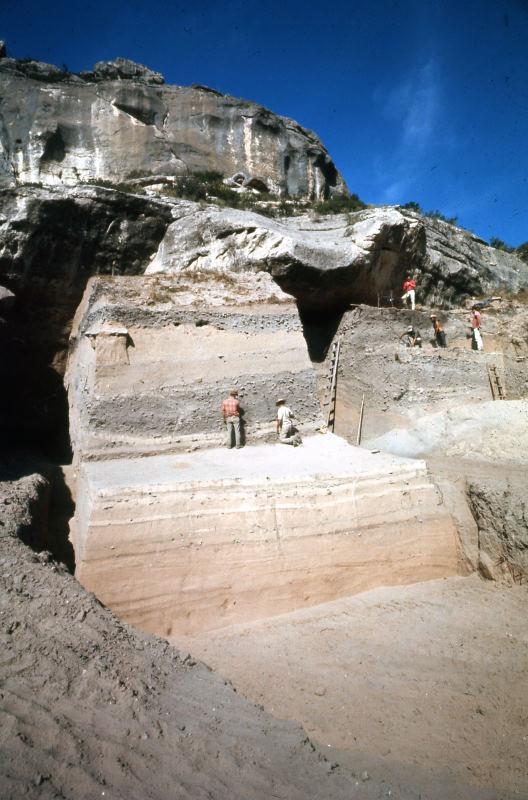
pixel 411 687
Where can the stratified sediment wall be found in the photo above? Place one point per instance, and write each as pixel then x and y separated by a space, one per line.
pixel 184 543
pixel 191 536
pixel 147 376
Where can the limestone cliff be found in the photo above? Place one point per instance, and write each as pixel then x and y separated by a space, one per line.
pixel 121 120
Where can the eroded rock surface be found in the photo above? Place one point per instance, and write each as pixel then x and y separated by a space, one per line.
pixel 121 120
pixel 331 261
pixel 501 513
pixel 67 234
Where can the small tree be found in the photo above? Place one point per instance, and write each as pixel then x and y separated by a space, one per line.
pixel 498 244
pixel 437 215
pixel 412 206
pixel 522 252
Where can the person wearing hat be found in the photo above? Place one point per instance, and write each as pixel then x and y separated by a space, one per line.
pixel 286 431
pixel 438 331
pixel 231 417
pixel 411 338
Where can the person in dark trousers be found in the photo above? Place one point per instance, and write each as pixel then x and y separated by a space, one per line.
pixel 411 337
pixel 231 417
pixel 438 331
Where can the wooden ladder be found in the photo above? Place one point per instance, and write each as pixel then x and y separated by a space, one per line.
pixel 329 402
pixel 497 389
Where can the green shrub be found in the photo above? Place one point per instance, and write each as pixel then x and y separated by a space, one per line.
pixel 498 244
pixel 412 206
pixel 522 252
pixel 340 205
pixel 436 214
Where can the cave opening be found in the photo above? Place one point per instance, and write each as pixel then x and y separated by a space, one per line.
pixel 54 147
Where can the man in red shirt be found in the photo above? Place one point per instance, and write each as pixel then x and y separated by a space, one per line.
pixel 408 287
pixel 231 417
pixel 476 320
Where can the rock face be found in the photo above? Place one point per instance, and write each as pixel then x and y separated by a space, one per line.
pixel 329 262
pixel 458 265
pixel 51 241
pixel 501 513
pixel 68 234
pixel 121 120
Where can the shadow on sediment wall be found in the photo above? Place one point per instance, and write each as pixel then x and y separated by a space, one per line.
pixel 34 418
pixel 37 505
pixel 319 330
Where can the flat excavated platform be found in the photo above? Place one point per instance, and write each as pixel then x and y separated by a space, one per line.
pixel 194 541
pixel 325 454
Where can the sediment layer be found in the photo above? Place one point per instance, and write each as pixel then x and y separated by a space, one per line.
pixel 184 543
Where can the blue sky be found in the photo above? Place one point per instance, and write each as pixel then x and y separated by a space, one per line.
pixel 424 101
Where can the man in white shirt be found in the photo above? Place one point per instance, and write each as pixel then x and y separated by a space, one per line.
pixel 286 431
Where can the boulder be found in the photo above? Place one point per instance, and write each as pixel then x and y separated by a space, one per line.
pixel 7 299
pixel 332 261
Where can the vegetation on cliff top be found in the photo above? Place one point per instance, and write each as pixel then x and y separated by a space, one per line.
pixel 210 186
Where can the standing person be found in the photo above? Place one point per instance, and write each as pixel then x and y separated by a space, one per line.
pixel 476 321
pixel 408 287
pixel 231 417
pixel 438 331
pixel 286 431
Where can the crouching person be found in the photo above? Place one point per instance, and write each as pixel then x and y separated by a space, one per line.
pixel 286 430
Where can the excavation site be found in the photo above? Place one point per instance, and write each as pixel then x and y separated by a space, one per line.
pixel 331 610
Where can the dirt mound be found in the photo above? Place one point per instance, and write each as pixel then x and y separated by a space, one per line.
pixel 92 708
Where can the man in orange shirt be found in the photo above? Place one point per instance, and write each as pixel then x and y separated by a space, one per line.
pixel 408 287
pixel 231 417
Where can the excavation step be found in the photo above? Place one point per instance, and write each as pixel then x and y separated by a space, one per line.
pixel 194 541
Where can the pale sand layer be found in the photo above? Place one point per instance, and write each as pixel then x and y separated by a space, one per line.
pixel 431 674
pixel 185 543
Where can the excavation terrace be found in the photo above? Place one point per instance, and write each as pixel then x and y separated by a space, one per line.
pixel 202 536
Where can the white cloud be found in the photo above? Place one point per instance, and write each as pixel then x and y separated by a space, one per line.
pixel 414 110
pixel 415 103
